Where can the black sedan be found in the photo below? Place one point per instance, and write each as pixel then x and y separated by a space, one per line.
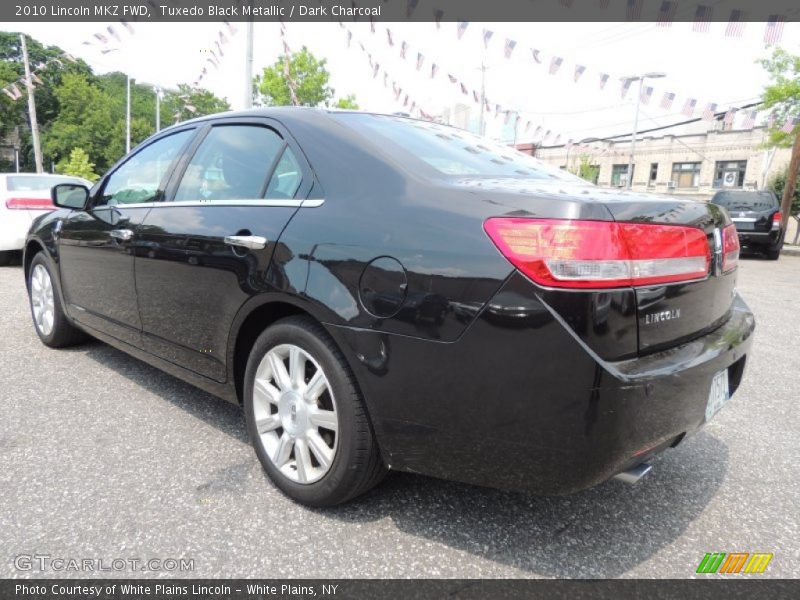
pixel 385 293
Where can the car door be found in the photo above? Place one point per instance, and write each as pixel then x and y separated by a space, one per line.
pixel 205 250
pixel 96 245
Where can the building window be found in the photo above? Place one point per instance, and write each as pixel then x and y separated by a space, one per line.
pixel 653 173
pixel 730 174
pixel 686 175
pixel 619 175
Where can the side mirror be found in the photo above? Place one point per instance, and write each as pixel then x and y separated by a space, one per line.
pixel 70 195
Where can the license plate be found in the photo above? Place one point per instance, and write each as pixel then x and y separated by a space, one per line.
pixel 718 395
pixel 744 225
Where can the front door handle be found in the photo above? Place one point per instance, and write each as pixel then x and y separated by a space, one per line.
pixel 123 235
pixel 253 242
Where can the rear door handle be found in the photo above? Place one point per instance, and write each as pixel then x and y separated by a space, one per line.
pixel 253 242
pixel 123 235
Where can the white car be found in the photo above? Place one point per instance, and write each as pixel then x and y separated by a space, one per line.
pixel 23 197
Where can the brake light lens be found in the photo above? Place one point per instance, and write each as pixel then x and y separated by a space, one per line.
pixel 29 203
pixel 776 220
pixel 730 248
pixel 601 254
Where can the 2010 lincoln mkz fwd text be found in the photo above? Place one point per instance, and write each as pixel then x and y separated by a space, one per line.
pixel 385 293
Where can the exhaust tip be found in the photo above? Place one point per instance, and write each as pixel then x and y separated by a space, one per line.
pixel 633 474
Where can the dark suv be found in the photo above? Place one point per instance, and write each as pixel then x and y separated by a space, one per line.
pixel 757 217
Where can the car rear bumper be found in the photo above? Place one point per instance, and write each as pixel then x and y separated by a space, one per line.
pixel 14 225
pixel 765 238
pixel 521 402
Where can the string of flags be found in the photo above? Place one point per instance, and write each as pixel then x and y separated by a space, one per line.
pixel 287 54
pixel 556 63
pixel 12 89
pixel 414 108
pixel 216 52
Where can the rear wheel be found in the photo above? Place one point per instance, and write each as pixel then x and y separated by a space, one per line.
pixel 49 319
pixel 306 418
pixel 773 252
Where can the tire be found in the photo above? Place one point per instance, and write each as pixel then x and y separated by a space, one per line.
pixel 773 252
pixel 5 257
pixel 49 320
pixel 293 417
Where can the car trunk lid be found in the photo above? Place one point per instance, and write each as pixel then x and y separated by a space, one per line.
pixel 677 312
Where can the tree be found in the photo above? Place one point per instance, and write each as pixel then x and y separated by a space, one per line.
pixel 85 120
pixel 586 170
pixel 778 184
pixel 782 98
pixel 348 102
pixel 187 102
pixel 310 77
pixel 77 165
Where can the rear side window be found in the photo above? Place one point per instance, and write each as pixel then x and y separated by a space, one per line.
pixel 286 178
pixel 140 178
pixel 232 163
pixel 756 201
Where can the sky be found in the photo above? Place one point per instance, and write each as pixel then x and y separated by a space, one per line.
pixel 707 66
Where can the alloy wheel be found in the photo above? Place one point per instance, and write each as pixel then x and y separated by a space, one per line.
pixel 42 300
pixel 295 414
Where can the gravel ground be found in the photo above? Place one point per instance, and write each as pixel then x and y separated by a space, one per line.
pixel 105 457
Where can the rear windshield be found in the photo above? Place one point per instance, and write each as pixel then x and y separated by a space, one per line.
pixel 27 183
pixel 450 151
pixel 746 200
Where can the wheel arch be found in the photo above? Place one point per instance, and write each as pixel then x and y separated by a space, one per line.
pixel 249 324
pixel 32 248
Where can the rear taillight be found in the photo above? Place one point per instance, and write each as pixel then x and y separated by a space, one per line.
pixel 600 254
pixel 25 203
pixel 776 220
pixel 730 248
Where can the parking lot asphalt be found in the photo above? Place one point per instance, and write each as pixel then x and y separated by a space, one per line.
pixel 104 457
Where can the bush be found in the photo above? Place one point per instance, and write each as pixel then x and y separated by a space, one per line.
pixel 77 165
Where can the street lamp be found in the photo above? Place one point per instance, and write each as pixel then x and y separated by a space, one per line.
pixel 640 79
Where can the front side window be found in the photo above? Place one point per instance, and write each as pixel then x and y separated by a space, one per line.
pixel 141 177
pixel 232 163
pixel 686 175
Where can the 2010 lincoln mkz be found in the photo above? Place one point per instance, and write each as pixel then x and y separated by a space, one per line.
pixel 385 293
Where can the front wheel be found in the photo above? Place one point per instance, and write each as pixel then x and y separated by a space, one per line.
pixel 306 418
pixel 48 315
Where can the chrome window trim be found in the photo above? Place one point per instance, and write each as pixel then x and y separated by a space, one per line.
pixel 307 203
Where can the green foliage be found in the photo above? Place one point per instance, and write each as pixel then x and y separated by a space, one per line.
pixel 348 102
pixel 77 165
pixel 85 120
pixel 308 74
pixel 77 109
pixel 177 104
pixel 586 170
pixel 310 77
pixel 782 96
pixel 777 185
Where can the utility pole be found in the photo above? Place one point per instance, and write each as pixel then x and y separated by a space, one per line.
pixel 37 149
pixel 248 65
pixel 633 137
pixel 638 100
pixel 128 115
pixel 157 90
pixel 791 182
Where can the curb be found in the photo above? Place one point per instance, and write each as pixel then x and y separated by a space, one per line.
pixel 790 250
